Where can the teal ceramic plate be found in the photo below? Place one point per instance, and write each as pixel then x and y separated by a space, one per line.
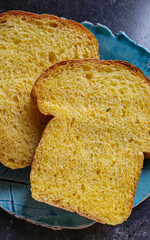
pixel 15 196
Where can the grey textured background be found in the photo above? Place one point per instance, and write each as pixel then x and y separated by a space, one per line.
pixel 133 17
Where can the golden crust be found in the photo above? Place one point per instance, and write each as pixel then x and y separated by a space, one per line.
pixel 53 203
pixel 67 22
pixel 134 69
pixel 24 15
pixel 56 204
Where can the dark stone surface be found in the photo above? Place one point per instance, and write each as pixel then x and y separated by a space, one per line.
pixel 133 17
pixel 136 228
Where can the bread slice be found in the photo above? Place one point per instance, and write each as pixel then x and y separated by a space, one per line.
pixel 29 44
pixel 90 155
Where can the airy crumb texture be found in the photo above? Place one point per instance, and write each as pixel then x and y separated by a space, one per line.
pixel 29 44
pixel 90 155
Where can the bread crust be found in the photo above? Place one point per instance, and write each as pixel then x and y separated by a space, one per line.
pixel 85 214
pixel 135 70
pixel 73 24
pixel 97 63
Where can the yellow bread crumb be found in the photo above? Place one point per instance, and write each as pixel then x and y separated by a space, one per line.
pixel 90 155
pixel 29 43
